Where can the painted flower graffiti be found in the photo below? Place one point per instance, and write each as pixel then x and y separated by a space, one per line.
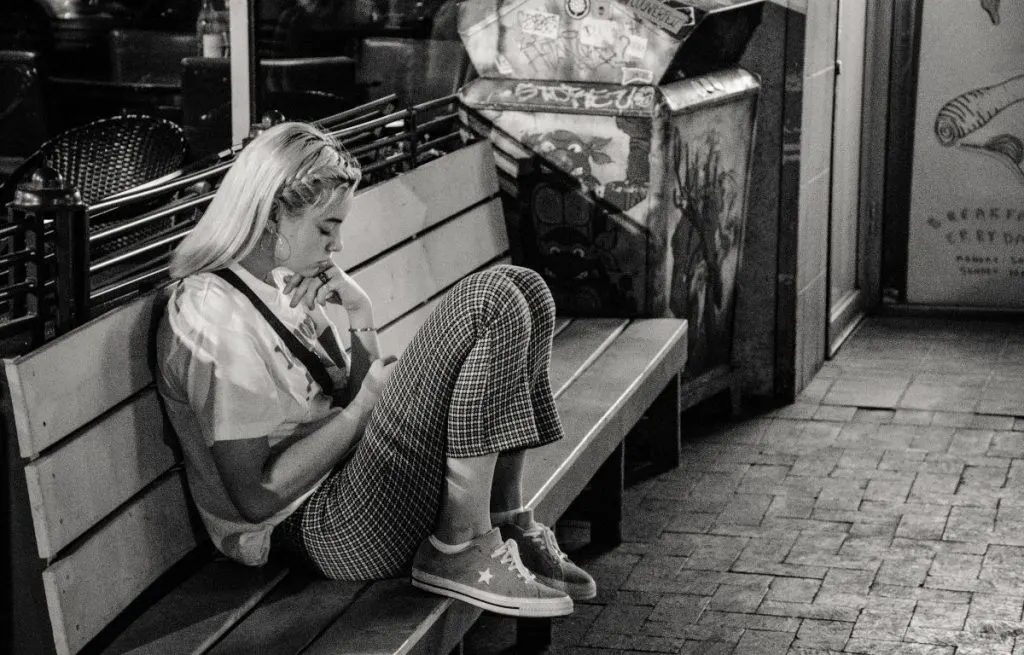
pixel 706 242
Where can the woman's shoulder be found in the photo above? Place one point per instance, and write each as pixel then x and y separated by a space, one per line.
pixel 205 300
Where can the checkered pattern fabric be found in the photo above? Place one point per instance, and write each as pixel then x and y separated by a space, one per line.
pixel 473 381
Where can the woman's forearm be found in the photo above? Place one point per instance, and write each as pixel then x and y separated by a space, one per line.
pixel 290 472
pixel 262 482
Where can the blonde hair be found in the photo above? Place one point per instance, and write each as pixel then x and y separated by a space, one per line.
pixel 286 170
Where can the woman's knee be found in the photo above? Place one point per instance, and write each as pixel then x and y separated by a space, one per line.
pixel 532 286
pixel 491 295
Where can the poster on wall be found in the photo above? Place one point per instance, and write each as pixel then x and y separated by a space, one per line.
pixel 966 242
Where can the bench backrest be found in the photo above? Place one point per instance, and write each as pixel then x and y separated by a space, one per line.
pixel 108 501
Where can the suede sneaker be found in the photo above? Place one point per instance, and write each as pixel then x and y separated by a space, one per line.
pixel 540 553
pixel 488 574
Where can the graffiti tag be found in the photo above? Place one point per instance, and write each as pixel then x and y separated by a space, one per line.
pixel 562 94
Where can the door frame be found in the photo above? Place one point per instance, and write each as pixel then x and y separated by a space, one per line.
pixel 841 321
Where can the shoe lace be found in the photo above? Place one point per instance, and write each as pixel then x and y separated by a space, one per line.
pixel 544 537
pixel 508 554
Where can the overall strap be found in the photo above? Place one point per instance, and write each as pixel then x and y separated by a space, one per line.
pixel 308 358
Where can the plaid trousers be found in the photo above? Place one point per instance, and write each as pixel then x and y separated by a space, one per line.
pixel 473 381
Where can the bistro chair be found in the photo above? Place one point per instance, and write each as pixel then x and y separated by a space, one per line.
pixel 108 156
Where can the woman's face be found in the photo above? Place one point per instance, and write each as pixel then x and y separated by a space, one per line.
pixel 313 235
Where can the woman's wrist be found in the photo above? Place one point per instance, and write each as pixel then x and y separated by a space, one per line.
pixel 361 320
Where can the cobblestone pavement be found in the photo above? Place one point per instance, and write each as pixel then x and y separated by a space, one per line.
pixel 881 513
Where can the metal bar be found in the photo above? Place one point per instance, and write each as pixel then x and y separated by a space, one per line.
pixel 180 183
pixel 355 112
pixel 369 125
pixel 151 217
pixel 17 289
pixel 106 293
pixel 107 262
pixel 17 257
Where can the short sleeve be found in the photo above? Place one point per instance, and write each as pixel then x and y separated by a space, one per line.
pixel 220 367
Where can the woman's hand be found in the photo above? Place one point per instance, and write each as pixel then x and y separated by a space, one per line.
pixel 376 378
pixel 329 285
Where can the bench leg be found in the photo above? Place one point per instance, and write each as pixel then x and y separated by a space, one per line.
pixel 663 419
pixel 605 510
pixel 457 650
pixel 532 635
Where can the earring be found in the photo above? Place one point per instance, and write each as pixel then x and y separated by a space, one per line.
pixel 281 244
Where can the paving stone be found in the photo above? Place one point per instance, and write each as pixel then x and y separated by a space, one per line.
pixel 921 593
pixel 948 616
pixel 848 581
pixel 792 506
pixel 745 509
pixel 819 611
pixel 952 419
pixel 678 608
pixel 834 413
pixel 762 642
pixel 882 647
pixel 904 571
pixel 793 590
pixel 956 566
pixel 691 522
pixel 773 547
pixel 883 620
pixel 750 621
pixel 774 568
pixel 731 598
pixel 625 619
pixel 824 634
pixel 997 608
pixel 873 415
pixel 888 490
pixel 924 525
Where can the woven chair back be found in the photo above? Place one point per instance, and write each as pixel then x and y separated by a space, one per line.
pixel 114 154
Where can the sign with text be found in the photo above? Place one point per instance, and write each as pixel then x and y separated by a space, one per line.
pixel 967 200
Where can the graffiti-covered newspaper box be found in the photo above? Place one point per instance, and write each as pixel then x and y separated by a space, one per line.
pixel 652 221
pixel 606 41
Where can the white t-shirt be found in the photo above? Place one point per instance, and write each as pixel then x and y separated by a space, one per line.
pixel 224 374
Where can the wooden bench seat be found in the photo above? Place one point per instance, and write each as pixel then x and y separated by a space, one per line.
pixel 119 562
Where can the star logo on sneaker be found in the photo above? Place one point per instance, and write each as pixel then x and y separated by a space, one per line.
pixel 485 576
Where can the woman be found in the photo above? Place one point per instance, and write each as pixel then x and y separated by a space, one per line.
pixel 416 462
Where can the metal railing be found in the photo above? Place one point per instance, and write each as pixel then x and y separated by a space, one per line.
pixel 63 263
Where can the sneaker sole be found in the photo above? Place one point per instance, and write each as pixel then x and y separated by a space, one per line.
pixel 524 607
pixel 578 591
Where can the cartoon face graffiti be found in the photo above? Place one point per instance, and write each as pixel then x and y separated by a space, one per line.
pixel 571 153
pixel 574 248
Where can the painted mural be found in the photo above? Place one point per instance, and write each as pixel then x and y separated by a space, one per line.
pixel 646 216
pixel 967 202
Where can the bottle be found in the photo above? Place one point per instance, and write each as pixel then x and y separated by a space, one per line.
pixel 213 29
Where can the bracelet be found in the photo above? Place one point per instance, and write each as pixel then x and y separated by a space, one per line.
pixel 365 329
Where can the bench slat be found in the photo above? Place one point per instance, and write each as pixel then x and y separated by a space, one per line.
pixel 67 368
pixel 76 485
pixel 433 262
pixel 117 563
pixel 289 618
pixel 577 345
pixel 414 622
pixel 395 337
pixel 601 407
pixel 208 604
pixel 387 214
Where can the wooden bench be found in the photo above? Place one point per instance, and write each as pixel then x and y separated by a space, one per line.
pixel 115 560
